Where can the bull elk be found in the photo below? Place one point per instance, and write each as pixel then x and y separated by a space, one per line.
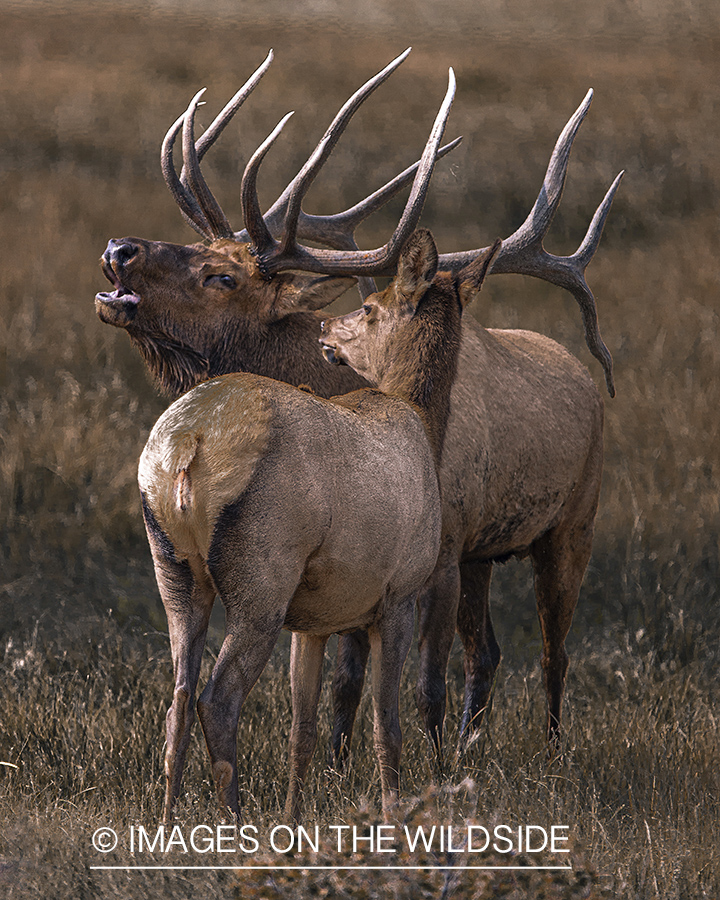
pixel 522 466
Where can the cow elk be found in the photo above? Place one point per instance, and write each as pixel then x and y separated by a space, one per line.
pixel 523 452
pixel 278 501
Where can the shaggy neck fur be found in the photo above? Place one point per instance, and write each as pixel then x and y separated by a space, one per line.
pixel 175 367
pixel 286 350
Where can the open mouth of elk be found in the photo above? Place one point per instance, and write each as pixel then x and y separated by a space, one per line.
pixel 116 307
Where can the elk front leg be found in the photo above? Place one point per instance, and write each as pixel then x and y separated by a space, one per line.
pixel 352 656
pixel 437 607
pixel 482 652
pixel 390 641
pixel 306 660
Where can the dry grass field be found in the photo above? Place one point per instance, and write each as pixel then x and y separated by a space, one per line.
pixel 86 94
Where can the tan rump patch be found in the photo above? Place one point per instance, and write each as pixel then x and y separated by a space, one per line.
pixel 201 455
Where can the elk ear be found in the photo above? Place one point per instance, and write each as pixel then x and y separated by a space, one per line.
pixel 472 276
pixel 417 266
pixel 298 292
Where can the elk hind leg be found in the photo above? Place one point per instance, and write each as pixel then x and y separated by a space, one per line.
pixel 244 653
pixel 390 640
pixel 256 593
pixel 188 595
pixel 559 560
pixel 437 608
pixel 188 624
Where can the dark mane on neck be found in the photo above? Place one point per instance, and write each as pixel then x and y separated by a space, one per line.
pixel 286 350
pixel 175 367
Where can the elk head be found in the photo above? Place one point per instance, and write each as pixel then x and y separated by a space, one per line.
pixel 367 339
pixel 198 311
pixel 206 309
pixel 405 339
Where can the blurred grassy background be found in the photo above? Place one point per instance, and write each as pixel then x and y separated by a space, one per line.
pixel 86 95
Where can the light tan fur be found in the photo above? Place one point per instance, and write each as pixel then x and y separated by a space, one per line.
pixel 199 458
pixel 320 516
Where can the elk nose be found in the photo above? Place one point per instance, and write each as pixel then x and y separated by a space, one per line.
pixel 119 252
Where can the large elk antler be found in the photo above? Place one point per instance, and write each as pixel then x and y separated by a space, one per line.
pixel 285 219
pixel 275 256
pixel 275 234
pixel 523 253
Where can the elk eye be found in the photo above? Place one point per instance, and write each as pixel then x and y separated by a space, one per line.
pixel 367 309
pixel 227 281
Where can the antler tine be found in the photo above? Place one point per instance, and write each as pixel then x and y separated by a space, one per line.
pixel 523 252
pixel 421 182
pixel 577 285
pixel 218 124
pixel 381 261
pixel 299 186
pixel 536 226
pixel 589 245
pixel 189 207
pixel 255 224
pixel 179 188
pixel 219 225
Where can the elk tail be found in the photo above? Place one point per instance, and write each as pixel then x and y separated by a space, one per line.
pixel 183 454
pixel 182 490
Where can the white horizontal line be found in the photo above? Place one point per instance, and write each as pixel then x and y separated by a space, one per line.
pixel 333 868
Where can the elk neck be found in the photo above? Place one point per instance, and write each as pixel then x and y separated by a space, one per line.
pixel 285 349
pixel 425 359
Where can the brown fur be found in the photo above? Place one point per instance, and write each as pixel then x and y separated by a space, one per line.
pixel 190 326
pixel 278 500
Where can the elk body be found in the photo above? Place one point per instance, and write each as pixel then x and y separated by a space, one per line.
pixel 523 452
pixel 319 516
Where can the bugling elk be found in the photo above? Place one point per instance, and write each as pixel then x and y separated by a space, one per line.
pixel 521 468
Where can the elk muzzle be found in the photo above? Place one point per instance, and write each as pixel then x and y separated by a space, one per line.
pixel 117 307
pixel 331 337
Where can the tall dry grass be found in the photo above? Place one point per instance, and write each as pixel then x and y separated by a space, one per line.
pixel 86 95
